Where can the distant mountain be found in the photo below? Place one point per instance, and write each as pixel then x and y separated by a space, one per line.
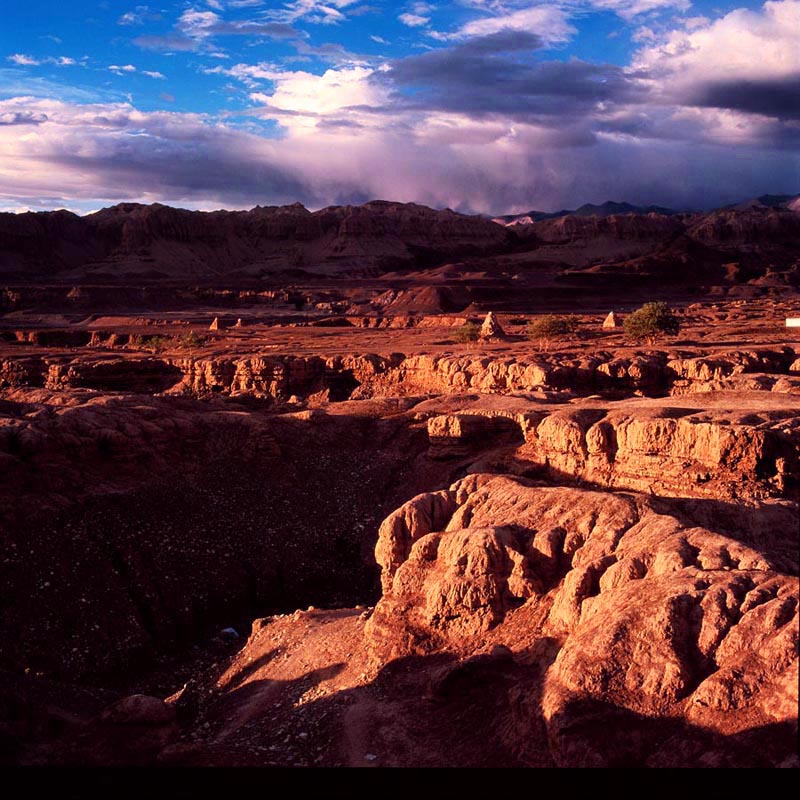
pixel 607 209
pixel 132 242
pixel 790 201
pixel 156 241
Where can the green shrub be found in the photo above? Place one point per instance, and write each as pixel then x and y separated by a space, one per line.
pixel 469 332
pixel 190 340
pixel 155 343
pixel 551 326
pixel 651 322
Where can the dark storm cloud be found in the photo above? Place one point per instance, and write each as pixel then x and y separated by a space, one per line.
pixel 495 75
pixel 772 98
pixel 198 162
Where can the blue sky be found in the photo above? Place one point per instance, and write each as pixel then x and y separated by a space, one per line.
pixel 480 105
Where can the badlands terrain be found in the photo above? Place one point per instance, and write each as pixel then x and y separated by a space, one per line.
pixel 262 506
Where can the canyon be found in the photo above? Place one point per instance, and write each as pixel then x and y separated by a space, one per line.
pixel 262 505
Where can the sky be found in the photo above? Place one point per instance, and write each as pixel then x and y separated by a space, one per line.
pixel 483 106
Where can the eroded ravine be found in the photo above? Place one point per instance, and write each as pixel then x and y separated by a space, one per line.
pixel 505 604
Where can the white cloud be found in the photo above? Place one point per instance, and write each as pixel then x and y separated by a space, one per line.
pixel 157 75
pixel 315 11
pixel 307 96
pixel 119 70
pixel 23 60
pixel 757 44
pixel 414 20
pixel 547 21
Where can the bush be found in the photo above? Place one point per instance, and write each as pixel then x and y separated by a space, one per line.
pixel 468 332
pixel 154 343
pixel 650 322
pixel 190 340
pixel 550 326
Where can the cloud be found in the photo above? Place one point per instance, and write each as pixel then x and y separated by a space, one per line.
pixel 486 121
pixel 201 25
pixel 414 20
pixel 22 60
pixel 153 74
pixel 771 98
pixel 628 9
pixel 99 153
pixel 195 31
pixel 746 61
pixel 113 151
pixel 138 16
pixel 465 79
pixel 324 12
pixel 22 118
pixel 315 95
pixel 758 44
pixel 550 22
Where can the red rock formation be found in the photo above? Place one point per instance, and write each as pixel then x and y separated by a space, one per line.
pixel 159 241
pixel 655 618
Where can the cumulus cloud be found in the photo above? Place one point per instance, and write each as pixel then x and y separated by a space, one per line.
pixel 487 121
pixel 745 61
pixel 761 43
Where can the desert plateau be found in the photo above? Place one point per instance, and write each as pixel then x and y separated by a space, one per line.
pixel 265 504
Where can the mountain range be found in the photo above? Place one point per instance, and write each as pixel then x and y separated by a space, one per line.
pixel 156 242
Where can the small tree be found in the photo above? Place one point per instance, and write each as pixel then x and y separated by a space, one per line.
pixel 469 332
pixel 650 322
pixel 550 326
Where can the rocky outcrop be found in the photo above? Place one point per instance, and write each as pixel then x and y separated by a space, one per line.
pixel 280 377
pixel 610 321
pixel 658 449
pixel 671 452
pixel 25 371
pixel 449 374
pixel 740 371
pixel 455 435
pixel 658 620
pixel 144 376
pixel 491 330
